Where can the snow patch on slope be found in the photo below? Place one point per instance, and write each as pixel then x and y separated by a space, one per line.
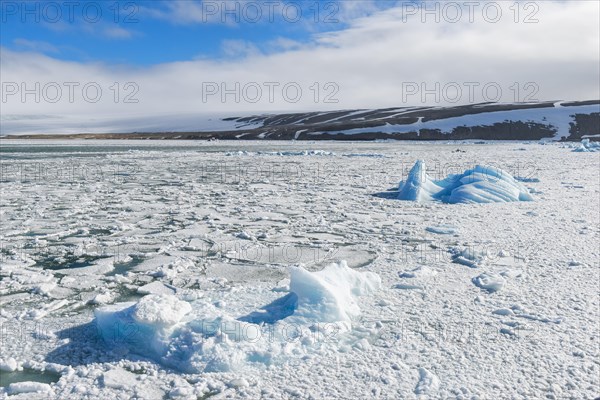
pixel 559 118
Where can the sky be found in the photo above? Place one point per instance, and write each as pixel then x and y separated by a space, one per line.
pixel 98 60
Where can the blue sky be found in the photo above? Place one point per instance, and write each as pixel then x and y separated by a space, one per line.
pixel 151 32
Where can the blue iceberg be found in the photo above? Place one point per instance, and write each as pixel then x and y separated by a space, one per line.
pixel 482 184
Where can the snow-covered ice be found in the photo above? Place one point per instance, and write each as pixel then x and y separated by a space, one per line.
pixel 489 281
pixel 290 269
pixel 28 387
pixel 442 229
pixel 172 332
pixel 428 383
pixel 329 295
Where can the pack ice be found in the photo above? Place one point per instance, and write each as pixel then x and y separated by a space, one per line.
pixel 482 184
pixel 197 337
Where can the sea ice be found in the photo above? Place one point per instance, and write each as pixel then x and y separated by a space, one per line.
pixel 329 295
pixel 282 153
pixel 160 311
pixel 428 384
pixel 156 287
pixel 200 337
pixel 368 155
pixel 143 326
pixel 8 365
pixel 119 378
pixel 503 312
pixel 489 281
pixel 468 256
pixel 98 267
pixel 404 286
pixel 169 229
pixel 419 272
pixel 442 229
pixel 28 387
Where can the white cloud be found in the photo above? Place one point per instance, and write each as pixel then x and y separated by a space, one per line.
pixel 116 32
pixel 179 12
pixel 284 44
pixel 105 27
pixel 230 12
pixel 371 62
pixel 309 15
pixel 34 45
pixel 239 48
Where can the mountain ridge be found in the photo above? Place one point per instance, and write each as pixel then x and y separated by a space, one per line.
pixel 570 121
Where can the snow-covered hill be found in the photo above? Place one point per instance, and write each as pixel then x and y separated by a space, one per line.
pixel 489 121
pixel 480 121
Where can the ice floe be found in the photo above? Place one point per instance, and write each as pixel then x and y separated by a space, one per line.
pixel 329 295
pixel 419 272
pixel 442 229
pixel 428 384
pixel 281 153
pixel 156 287
pixel 489 281
pixel 8 365
pixel 469 256
pixel 200 336
pixel 28 387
